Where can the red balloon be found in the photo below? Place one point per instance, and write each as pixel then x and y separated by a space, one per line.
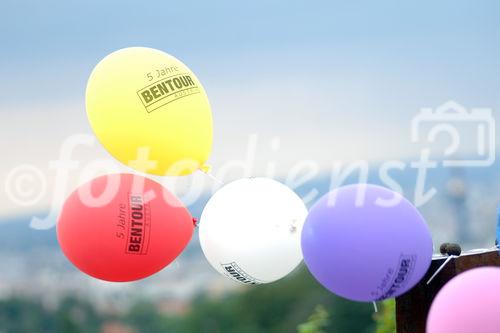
pixel 123 227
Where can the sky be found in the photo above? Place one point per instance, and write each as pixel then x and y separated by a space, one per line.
pixel 321 81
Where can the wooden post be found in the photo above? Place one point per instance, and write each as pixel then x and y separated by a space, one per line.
pixel 412 308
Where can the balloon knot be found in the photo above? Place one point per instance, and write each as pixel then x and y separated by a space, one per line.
pixel 206 168
pixel 195 222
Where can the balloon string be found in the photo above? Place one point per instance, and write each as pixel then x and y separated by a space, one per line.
pixel 496 247
pixel 441 268
pixel 375 307
pixel 211 177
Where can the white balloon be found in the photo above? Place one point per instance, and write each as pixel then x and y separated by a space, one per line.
pixel 250 230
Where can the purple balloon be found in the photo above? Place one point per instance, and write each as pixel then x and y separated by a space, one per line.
pixel 366 243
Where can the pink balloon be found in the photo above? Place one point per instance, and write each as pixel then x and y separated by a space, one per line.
pixel 469 303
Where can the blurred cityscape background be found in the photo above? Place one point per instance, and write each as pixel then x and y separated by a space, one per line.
pixel 323 81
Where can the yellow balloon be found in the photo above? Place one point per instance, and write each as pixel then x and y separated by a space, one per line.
pixel 150 111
